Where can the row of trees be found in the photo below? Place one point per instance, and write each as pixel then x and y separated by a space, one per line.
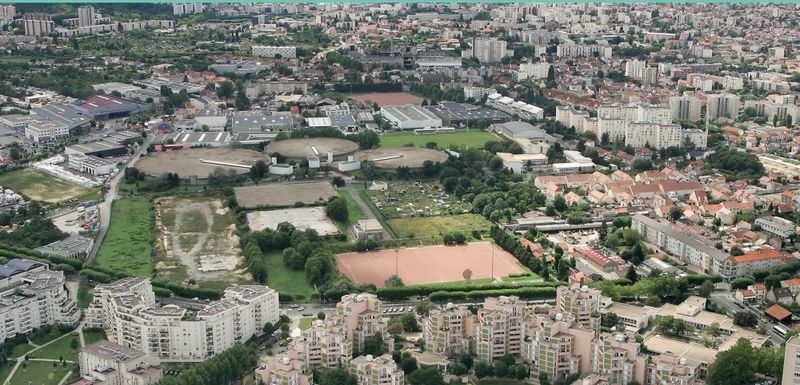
pixel 222 369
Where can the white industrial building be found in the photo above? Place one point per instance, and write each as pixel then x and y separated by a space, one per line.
pixel 126 309
pixel 410 117
pixel 214 119
pixel 90 164
pixel 512 107
pixel 46 132
pixel 518 162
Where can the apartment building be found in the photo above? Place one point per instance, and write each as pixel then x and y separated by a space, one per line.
pixel 477 93
pixel 377 370
pixel 570 117
pixel 287 368
pixel 745 265
pixel 617 359
pixel 109 363
pixel 126 310
pixel 499 327
pixel 86 16
pixel 669 369
pixel 722 106
pixel 781 227
pixel 772 86
pixel 36 24
pixel 583 50
pixel 39 297
pixel 770 110
pixel 655 135
pixel 450 331
pixel 637 112
pixel 580 304
pixel 361 317
pixel 555 346
pixel 284 52
pixel 325 344
pixel 533 71
pixel 686 107
pixel 488 50
pixel 688 248
pixel 791 362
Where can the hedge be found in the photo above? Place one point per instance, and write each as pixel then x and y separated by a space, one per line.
pixel 522 292
pixel 403 292
pixel 188 292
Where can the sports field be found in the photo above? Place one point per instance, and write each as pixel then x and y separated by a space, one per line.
pixel 471 139
pixel 419 265
pixel 128 245
pixel 39 186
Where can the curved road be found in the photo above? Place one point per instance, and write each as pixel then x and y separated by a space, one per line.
pixel 104 207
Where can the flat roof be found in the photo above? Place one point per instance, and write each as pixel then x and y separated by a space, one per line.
pixel 465 111
pixel 95 147
pixel 661 344
pixel 112 351
pixel 409 112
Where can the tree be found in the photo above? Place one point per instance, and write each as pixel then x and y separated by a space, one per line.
pixel 338 376
pixel 336 209
pixel 467 274
pixel 409 322
pixel 458 369
pixel 393 281
pixel 741 283
pixel 745 318
pixel 225 90
pixel 483 369
pixel 408 364
pixel 736 250
pixel 713 329
pixel 321 315
pixel 735 366
pixel 426 376
pixel 706 288
pixel 675 213
pixel 337 181
pixel 374 345
pixel 560 204
pixel 632 275
pixel 424 308
pixel 258 170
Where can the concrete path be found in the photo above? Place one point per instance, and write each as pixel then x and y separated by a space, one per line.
pixel 64 380
pixel 20 360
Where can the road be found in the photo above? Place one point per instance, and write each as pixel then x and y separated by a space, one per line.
pixel 111 194
pixel 348 186
pixel 724 300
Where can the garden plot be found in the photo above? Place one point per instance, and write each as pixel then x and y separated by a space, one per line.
pixel 401 200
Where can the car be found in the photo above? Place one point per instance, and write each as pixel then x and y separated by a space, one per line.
pixel 385 311
pixel 409 309
pixel 300 308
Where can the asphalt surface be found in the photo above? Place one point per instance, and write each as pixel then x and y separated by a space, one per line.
pixel 726 301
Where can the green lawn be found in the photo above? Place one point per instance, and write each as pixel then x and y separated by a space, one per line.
pixel 91 336
pixel 5 370
pixel 471 139
pixel 61 348
pixel 305 323
pixel 128 245
pixel 285 281
pixel 20 350
pixel 435 227
pixel 39 186
pixel 354 212
pixel 40 373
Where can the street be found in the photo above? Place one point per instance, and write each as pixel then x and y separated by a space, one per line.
pixel 724 300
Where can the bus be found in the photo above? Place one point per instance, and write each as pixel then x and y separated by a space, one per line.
pixel 781 330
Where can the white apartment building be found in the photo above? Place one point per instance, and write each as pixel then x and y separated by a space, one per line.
pixel 722 105
pixel 641 134
pixel 377 370
pixel 477 93
pixel 686 107
pixel 287 368
pixel 533 71
pixel 512 107
pixel 284 52
pixel 583 50
pixel 7 12
pixel 181 9
pixel 38 24
pixel 488 50
pixel 791 362
pixel 126 310
pixel 770 110
pixel 570 117
pixel 635 68
pixel 40 299
pixel 669 369
pixel 46 132
pixel 85 16
pixel 772 86
pixel 108 363
pixel 618 360
pixel 781 227
pixel 705 82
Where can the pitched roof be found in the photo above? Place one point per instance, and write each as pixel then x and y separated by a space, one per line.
pixel 778 312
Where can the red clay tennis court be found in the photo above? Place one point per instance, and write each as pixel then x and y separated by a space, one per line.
pixel 417 265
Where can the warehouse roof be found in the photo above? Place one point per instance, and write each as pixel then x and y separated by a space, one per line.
pixel 409 112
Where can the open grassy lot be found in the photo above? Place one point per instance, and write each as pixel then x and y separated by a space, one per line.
pixel 41 373
pixel 354 212
pixel 405 199
pixel 305 323
pixel 20 350
pixel 61 348
pixel 435 227
pixel 128 245
pixel 39 186
pixel 285 281
pixel 91 336
pixel 471 139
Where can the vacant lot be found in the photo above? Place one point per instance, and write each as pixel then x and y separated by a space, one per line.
pixel 405 199
pixel 188 163
pixel 388 98
pixel 127 247
pixel 471 139
pixel 39 186
pixel 196 239
pixel 284 194
pixel 284 280
pixel 418 265
pixel 301 218
pixel 435 227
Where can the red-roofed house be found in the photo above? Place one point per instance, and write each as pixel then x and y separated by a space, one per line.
pixel 778 313
pixel 596 258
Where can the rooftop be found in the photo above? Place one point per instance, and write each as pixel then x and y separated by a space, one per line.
pixel 112 351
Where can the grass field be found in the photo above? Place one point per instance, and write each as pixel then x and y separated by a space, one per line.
pixel 128 245
pixel 41 373
pixel 354 212
pixel 59 349
pixel 285 281
pixel 39 186
pixel 305 323
pixel 435 227
pixel 20 350
pixel 91 336
pixel 471 139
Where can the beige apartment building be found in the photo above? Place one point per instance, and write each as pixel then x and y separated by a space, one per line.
pixel 617 359
pixel 449 332
pixel 361 317
pixel 499 327
pixel 126 310
pixel 579 303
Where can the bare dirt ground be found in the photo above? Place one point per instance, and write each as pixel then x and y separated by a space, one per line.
pixel 389 98
pixel 301 218
pixel 284 194
pixel 196 239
